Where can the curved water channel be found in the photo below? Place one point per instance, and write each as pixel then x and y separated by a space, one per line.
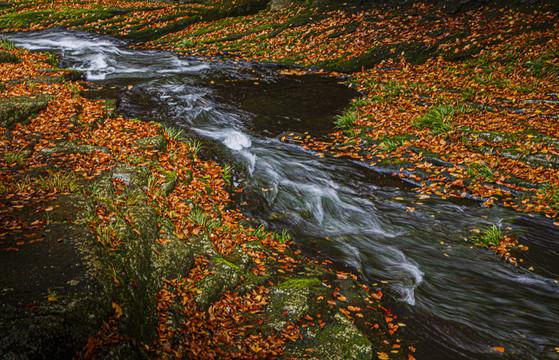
pixel 457 301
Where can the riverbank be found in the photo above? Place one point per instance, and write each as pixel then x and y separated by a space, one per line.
pixel 118 241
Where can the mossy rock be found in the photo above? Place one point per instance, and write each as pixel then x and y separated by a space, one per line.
pixel 72 148
pixel 276 5
pixel 201 245
pixel 72 207
pixel 110 106
pixel 340 339
pixel 158 143
pixel 66 74
pixel 175 259
pixel 135 264
pixel 64 266
pixel 169 185
pixel 286 305
pixel 8 57
pixel 130 175
pixel 212 287
pixel 414 52
pixel 46 79
pixel 18 109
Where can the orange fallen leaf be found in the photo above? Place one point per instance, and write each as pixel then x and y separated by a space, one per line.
pixel 382 356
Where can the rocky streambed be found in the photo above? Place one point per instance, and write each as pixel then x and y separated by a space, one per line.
pixel 108 222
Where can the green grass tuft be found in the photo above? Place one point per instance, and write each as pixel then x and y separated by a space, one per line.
pixel 489 237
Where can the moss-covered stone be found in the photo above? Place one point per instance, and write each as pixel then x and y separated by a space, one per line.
pixel 66 74
pixel 136 268
pixel 72 148
pixel 174 259
pixel 155 142
pixel 169 185
pixel 72 207
pixel 240 259
pixel 414 52
pixel 62 266
pixel 340 339
pixel 214 285
pixel 130 175
pixel 298 283
pixel 8 57
pixel 286 305
pixel 18 109
pixel 111 106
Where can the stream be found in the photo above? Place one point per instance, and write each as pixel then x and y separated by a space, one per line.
pixel 458 301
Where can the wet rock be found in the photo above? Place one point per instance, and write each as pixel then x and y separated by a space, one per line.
pixel 340 339
pixel 66 74
pixel 18 109
pixel 293 301
pixel 226 277
pixel 61 266
pixel 8 57
pixel 174 259
pixel 130 175
pixel 201 245
pixel 72 207
pixel 169 185
pixel 136 269
pixel 276 5
pixel 155 142
pixel 70 147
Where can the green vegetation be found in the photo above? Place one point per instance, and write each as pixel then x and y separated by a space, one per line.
pixel 298 283
pixel 58 181
pixel 346 120
pixel 15 157
pixel 479 169
pixel 490 236
pixel 392 144
pixel 551 196
pixel 438 120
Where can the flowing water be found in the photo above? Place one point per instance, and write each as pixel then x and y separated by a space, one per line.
pixel 458 301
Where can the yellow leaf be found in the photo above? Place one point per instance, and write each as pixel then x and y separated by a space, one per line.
pixel 118 310
pixel 383 356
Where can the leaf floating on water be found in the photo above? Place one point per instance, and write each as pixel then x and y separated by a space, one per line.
pixel 499 349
